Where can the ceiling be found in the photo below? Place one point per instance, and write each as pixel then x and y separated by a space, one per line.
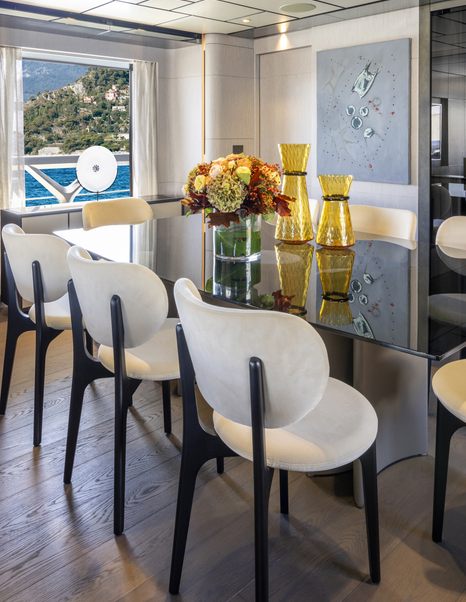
pixel 449 41
pixel 172 18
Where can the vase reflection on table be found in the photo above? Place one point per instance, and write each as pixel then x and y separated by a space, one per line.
pixel 335 269
pixel 294 263
pixel 235 280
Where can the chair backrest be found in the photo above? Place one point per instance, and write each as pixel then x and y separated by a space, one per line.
pixel 221 342
pixel 452 233
pixel 116 211
pixel 49 250
pixel 441 201
pixel 384 221
pixel 143 297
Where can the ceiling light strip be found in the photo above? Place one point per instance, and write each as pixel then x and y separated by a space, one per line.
pixel 64 14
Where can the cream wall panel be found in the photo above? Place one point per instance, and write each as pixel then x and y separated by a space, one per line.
pixel 229 93
pixel 284 100
pixel 220 148
pixel 377 28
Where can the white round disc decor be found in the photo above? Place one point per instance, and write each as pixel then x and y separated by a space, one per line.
pixel 96 169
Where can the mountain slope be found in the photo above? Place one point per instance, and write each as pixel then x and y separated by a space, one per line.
pixel 94 109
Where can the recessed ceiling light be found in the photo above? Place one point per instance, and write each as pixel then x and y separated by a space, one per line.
pixel 298 7
pixel 246 20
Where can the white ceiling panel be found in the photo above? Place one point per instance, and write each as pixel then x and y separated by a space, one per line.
pixel 214 9
pixel 351 3
pixel 274 6
pixel 199 25
pixel 165 4
pixel 263 19
pixel 77 6
pixel 132 12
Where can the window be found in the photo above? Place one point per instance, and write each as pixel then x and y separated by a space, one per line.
pixel 67 108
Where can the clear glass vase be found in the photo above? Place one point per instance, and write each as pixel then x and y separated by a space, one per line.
pixel 240 241
pixel 335 229
pixel 297 227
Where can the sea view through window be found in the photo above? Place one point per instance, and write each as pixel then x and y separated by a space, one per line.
pixel 69 107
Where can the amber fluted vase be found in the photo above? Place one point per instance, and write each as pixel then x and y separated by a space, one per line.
pixel 335 269
pixel 294 268
pixel 297 227
pixel 335 229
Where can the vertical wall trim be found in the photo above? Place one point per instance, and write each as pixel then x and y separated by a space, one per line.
pixel 424 150
pixel 203 116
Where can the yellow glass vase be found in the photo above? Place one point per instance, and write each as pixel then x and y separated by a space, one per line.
pixel 297 227
pixel 335 229
pixel 294 268
pixel 335 269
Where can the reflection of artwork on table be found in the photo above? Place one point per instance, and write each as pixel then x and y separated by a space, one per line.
pixel 379 295
pixel 363 111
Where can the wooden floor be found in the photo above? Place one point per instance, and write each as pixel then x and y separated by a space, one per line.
pixel 56 542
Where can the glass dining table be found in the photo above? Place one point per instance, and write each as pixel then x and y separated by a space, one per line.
pixel 384 309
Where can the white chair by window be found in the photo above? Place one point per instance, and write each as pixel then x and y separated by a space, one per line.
pixel 266 376
pixel 116 211
pixel 36 269
pixel 124 307
pixel 384 221
pixel 452 233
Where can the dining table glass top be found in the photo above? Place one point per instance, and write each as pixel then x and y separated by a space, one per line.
pixel 379 290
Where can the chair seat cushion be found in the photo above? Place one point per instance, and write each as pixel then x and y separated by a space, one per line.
pixel 157 359
pixel 337 431
pixel 449 385
pixel 57 313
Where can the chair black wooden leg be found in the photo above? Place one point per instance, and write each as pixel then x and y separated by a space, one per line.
pixel 43 340
pixel 18 322
pixel 78 387
pixel 220 465
pixel 261 533
pixel 369 475
pixel 167 410
pixel 89 343
pixel 121 412
pixel 284 491
pixel 187 482
pixel 447 424
pixel 12 336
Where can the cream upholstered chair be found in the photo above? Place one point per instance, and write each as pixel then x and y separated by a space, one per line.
pixel 450 241
pixel 383 221
pixel 452 233
pixel 449 385
pixel 116 211
pixel 36 269
pixel 124 307
pixel 266 376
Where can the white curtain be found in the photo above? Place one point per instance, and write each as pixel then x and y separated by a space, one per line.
pixel 12 193
pixel 144 128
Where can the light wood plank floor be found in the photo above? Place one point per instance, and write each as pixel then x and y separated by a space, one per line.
pixel 56 542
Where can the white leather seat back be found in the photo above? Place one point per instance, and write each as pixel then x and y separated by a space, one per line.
pixel 116 211
pixel 49 250
pixel 221 342
pixel 452 233
pixel 143 297
pixel 384 221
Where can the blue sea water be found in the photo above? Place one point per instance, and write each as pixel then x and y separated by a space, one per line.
pixel 36 194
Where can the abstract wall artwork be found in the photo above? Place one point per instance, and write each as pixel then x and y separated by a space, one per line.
pixel 363 110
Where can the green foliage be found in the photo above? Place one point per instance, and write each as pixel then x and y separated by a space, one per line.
pixel 79 115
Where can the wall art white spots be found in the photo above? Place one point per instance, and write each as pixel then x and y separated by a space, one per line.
pixel 363 111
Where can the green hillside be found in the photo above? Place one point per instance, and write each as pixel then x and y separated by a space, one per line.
pixel 93 110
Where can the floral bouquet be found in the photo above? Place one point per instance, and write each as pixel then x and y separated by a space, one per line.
pixel 235 186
